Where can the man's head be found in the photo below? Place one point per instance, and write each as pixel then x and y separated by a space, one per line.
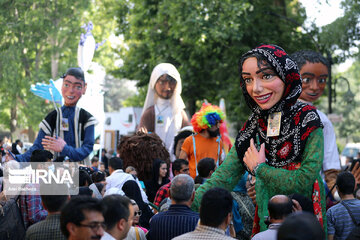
pixel 208 118
pixel 102 167
pixel 180 138
pixel 115 163
pixel 54 203
pixel 41 156
pixel 206 167
pixel 95 162
pixel 73 86
pixel 182 190
pixel 345 183
pixel 18 142
pixel 82 218
pixel 279 206
pixel 216 208
pixel 84 179
pixel 301 226
pixel 118 214
pixel 314 70
pixel 180 166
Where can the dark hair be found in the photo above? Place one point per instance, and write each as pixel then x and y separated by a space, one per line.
pixel 60 159
pixel 83 178
pixel 41 156
pixel 73 211
pixel 85 191
pixel 54 203
pixel 132 191
pixel 181 135
pixel 300 226
pixel 156 167
pixel 303 56
pixel 204 167
pixel 98 177
pixel 116 163
pixel 78 73
pixel 216 204
pixel 345 182
pixel 94 159
pixel 279 210
pixel 17 141
pixel 305 202
pixel 177 165
pixel 116 207
pixel 14 149
pixel 199 180
pixel 99 186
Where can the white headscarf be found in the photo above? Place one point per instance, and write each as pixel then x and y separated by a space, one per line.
pixel 177 103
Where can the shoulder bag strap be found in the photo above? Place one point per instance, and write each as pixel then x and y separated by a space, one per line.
pixel 194 147
pixel 218 153
pixel 348 209
pixel 137 233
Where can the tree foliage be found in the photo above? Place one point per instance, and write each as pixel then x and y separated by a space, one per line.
pixel 205 40
pixel 342 36
pixel 37 41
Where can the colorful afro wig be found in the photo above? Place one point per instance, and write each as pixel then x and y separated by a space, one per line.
pixel 207 117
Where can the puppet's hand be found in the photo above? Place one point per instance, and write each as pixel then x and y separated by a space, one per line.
pixel 253 157
pixel 43 90
pixel 54 144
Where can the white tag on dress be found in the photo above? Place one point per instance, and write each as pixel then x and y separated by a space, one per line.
pixel 274 122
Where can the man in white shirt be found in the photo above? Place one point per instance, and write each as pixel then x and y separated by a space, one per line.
pixel 118 215
pixel 118 177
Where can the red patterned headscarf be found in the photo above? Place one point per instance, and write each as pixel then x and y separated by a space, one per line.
pixel 298 119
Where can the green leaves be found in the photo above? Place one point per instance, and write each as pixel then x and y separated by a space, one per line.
pixel 204 40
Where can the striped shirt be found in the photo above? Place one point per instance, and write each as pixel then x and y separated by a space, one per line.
pixel 205 232
pixel 179 219
pixel 339 221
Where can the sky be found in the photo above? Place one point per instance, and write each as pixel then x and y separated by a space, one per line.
pixel 323 12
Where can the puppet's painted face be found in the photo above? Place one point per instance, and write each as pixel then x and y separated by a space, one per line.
pixel 72 90
pixel 263 85
pixel 314 77
pixel 165 86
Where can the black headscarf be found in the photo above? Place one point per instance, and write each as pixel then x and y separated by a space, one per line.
pixel 152 186
pixel 132 191
pixel 298 119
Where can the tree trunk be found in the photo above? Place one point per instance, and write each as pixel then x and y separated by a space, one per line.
pixel 13 119
pixel 55 65
pixel 31 134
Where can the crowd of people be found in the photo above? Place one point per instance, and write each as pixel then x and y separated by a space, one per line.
pixel 174 179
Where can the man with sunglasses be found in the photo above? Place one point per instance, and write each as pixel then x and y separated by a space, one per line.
pixel 163 111
pixel 82 219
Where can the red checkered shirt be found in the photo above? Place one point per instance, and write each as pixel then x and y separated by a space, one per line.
pixel 162 193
